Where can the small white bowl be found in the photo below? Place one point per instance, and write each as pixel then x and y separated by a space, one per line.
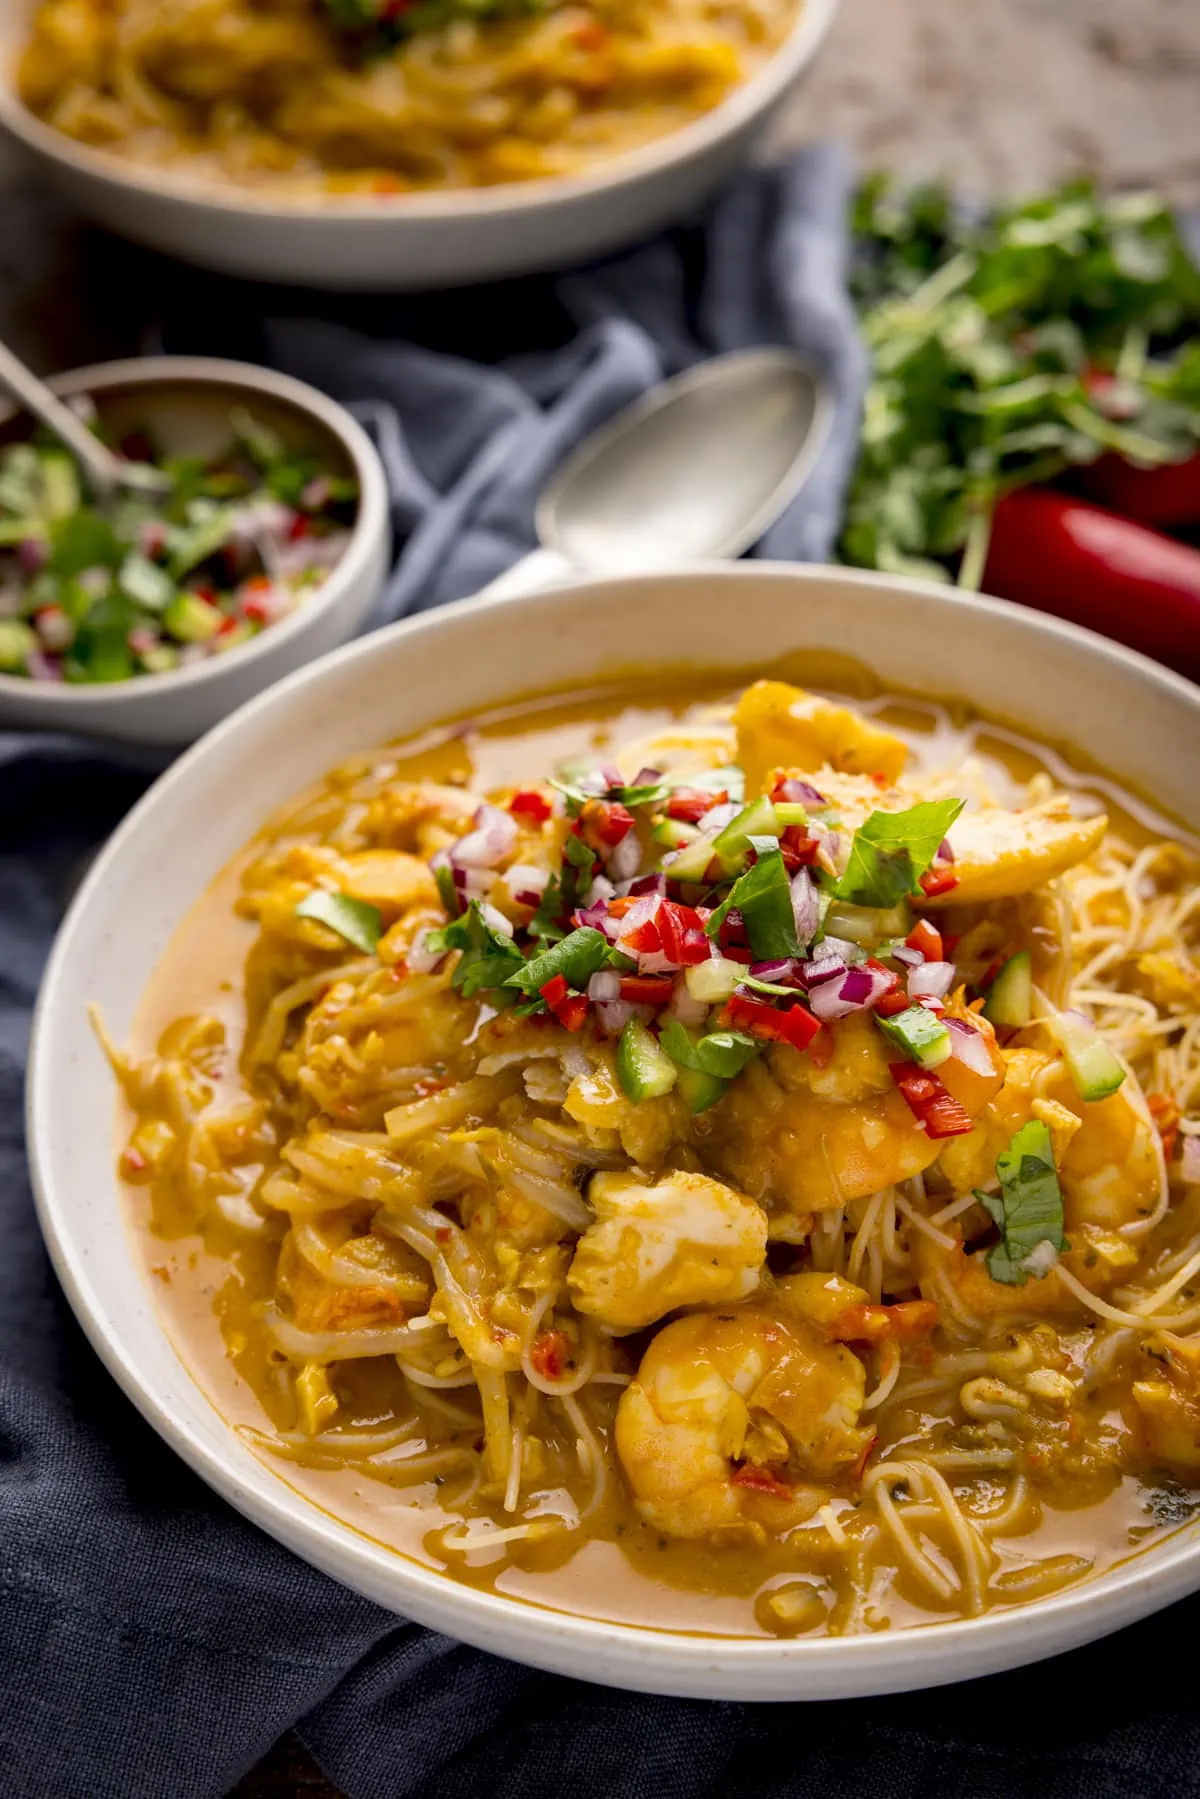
pixel 1049 679
pixel 413 240
pixel 185 403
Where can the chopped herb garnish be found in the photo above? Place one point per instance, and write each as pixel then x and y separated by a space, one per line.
pixel 722 1054
pixel 359 923
pixel 577 958
pixel 1028 1209
pixel 488 958
pixel 892 850
pixel 448 893
pixel 763 896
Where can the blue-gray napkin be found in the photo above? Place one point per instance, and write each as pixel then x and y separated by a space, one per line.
pixel 152 1644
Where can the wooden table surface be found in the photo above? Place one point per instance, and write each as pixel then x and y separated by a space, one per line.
pixel 1000 96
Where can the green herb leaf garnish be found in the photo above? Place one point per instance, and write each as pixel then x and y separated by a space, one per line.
pixel 488 955
pixel 763 896
pixel 577 958
pixel 722 1054
pixel 892 850
pixel 356 921
pixel 1029 1206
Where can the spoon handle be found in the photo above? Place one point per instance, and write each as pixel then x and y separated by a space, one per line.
pixel 101 467
pixel 541 568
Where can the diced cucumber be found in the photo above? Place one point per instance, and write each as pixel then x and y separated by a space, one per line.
pixel 191 619
pixel 1093 1066
pixel 17 639
pixel 60 485
pixel 690 864
pixel 698 1090
pixel 1010 996
pixel 713 981
pixel 867 925
pixel 731 844
pixel 790 812
pixel 676 834
pixel 644 1070
pixel 920 1034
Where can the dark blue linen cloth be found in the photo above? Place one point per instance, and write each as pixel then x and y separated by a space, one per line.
pixel 152 1644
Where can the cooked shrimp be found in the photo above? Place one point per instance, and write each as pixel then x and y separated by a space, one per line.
pixel 779 725
pixel 818 1137
pixel 683 1240
pixel 732 1419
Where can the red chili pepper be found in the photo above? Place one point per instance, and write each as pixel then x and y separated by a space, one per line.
pixel 820 1049
pixel 646 989
pixel 805 847
pixel 549 1355
pixel 860 1467
pixel 603 823
pixel 674 922
pixel 299 527
pixel 794 1025
pixel 617 908
pixel 733 928
pixel 643 937
pixel 1166 1115
pixel 689 804
pixel 891 1004
pixel 930 1102
pixel 1066 557
pixel 937 880
pixel 1159 497
pixel 927 940
pixel 531 806
pixel 695 948
pixel 760 1480
pixel 569 1008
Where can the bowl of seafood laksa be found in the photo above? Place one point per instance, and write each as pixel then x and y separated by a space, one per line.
pixel 692 1177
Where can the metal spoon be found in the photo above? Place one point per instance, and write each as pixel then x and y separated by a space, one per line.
pixel 106 474
pixel 696 469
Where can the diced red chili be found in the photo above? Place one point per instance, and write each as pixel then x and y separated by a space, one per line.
pixel 646 989
pixel 643 938
pixel 549 1355
pixel 820 1049
pixel 907 1322
pixel 926 939
pixel 860 1467
pixel 760 1480
pixel 793 1024
pixel 531 806
pixel 673 921
pixel 733 928
pixel 569 1008
pixel 930 1102
pixel 891 1004
pixel 1166 1114
pixel 796 838
pixel 938 880
pixel 695 948
pixel 603 823
pixel 689 804
pixel 299 527
pixel 617 908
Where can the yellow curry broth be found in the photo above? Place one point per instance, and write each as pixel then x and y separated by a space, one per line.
pixel 1079 1509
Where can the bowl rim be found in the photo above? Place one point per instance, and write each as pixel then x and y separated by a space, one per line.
pixel 688 1664
pixel 246 379
pixel 745 103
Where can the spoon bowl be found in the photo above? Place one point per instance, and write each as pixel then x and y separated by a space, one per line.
pixel 694 471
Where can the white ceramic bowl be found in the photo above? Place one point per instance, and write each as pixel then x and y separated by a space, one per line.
pixel 185 402
pixel 415 240
pixel 1045 677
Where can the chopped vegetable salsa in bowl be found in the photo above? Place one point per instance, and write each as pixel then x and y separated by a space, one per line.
pixel 273 532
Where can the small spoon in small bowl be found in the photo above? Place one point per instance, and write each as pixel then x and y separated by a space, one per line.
pixel 106 475
pixel 695 470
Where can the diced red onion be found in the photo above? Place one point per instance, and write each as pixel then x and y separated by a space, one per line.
pixel 1189 1159
pixel 526 883
pixel 689 1011
pixel 142 639
pixel 646 777
pixel 604 986
pixel 969 1046
pixel 717 817
pixel 655 883
pixel 945 853
pixel 800 793
pixel 601 890
pixel 782 969
pixel 625 858
pixel 932 1005
pixel 825 968
pixel 840 946
pixel 931 978
pixel 858 988
pixel 42 667
pixel 317 493
pixel 486 846
pixel 806 906
pixel 33 553
pixel 911 958
pixel 613 1015
pixel 597 918
pixel 496 919
pixel 421 959
pixel 648 961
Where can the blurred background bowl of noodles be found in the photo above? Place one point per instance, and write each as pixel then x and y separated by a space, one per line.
pixel 361 241
pixel 1114 709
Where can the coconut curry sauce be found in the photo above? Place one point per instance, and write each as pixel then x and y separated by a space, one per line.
pixel 661 1297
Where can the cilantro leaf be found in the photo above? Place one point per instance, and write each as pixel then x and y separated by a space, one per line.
pixel 577 958
pixel 356 921
pixel 83 540
pixel 546 922
pixel 763 896
pixel 1029 1207
pixel 892 850
pixel 722 1054
pixel 488 955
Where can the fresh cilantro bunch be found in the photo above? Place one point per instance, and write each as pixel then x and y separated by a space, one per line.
pixel 1005 350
